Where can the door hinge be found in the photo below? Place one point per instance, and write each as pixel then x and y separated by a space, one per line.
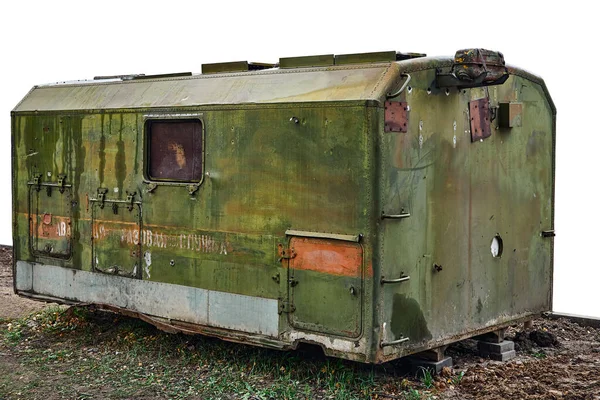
pixel 276 277
pixel 285 253
pixel 286 307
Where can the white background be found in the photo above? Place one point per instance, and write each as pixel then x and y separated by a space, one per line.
pixel 61 40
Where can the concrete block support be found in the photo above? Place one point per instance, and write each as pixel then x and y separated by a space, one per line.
pixel 503 351
pixel 417 364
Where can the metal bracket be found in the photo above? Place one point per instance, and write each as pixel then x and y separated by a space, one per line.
pixel 193 189
pixel 293 282
pixel 276 277
pixel 286 307
pixel 285 253
pixel 61 182
pixel 402 214
pixel 130 199
pixel 37 180
pixel 394 342
pixel 102 196
pixel 398 280
pixel 151 187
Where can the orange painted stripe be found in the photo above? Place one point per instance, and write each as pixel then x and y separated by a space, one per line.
pixel 327 256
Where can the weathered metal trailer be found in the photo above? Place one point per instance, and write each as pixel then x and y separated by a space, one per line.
pixel 377 204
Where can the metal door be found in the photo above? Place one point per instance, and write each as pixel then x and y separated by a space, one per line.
pixel 326 285
pixel 116 242
pixel 50 219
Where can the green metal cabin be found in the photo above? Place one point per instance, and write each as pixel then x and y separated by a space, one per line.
pixel 376 205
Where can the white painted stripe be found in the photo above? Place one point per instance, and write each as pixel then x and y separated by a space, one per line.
pixel 200 306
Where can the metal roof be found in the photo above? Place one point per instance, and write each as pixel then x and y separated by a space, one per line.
pixel 336 83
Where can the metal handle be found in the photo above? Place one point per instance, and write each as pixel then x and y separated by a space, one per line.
pixel 395 216
pixel 401 279
pixel 394 342
pixel 549 233
pixel 407 76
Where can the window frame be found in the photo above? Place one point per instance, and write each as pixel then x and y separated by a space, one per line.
pixel 148 119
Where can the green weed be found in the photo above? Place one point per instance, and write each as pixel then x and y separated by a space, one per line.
pixel 427 378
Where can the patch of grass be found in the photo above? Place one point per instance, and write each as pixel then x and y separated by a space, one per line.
pixel 539 355
pixel 80 353
pixel 427 378
pixel 13 332
pixel 457 379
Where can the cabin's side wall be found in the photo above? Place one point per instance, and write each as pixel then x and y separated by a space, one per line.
pixel 461 194
pixel 211 257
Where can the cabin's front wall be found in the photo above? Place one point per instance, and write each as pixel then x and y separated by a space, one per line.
pixel 461 194
pixel 213 256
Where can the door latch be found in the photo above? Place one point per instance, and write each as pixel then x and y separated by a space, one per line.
pixel 102 196
pixel 61 183
pixel 37 181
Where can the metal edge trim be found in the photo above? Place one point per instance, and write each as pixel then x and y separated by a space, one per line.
pixel 322 235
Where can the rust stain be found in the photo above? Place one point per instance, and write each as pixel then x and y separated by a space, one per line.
pixel 479 111
pixel 48 226
pixel 47 219
pixel 396 116
pixel 327 256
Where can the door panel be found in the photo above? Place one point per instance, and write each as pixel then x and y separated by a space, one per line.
pixel 326 286
pixel 116 242
pixel 50 220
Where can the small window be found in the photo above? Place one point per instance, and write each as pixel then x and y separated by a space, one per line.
pixel 174 150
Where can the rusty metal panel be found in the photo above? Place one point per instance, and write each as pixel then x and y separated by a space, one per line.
pixel 479 112
pixel 396 116
pixel 326 286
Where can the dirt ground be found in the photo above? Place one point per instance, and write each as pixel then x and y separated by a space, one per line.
pixel 51 359
pixel 11 305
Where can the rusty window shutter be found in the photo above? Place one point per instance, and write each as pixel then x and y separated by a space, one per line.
pixel 174 150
